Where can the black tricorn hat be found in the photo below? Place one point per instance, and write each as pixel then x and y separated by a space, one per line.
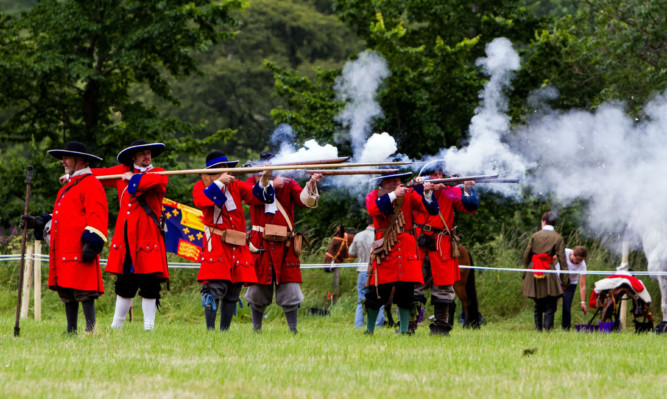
pixel 266 156
pixel 125 156
pixel 74 149
pixel 402 176
pixel 217 159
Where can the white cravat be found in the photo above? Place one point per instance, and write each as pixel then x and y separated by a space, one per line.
pixel 141 169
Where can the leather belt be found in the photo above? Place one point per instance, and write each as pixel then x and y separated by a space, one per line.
pixel 428 228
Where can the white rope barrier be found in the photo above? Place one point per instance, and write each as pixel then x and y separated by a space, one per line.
pixel 192 265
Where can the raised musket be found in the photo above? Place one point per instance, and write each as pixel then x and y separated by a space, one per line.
pixel 208 177
pixel 352 172
pixel 497 181
pixel 254 169
pixel 453 181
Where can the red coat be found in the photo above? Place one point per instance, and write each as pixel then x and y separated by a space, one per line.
pixel 278 257
pixel 80 204
pixel 224 261
pixel 402 263
pixel 444 268
pixel 146 244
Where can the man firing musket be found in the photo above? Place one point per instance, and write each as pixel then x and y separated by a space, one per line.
pixel 226 261
pixel 438 245
pixel 395 267
pixel 276 247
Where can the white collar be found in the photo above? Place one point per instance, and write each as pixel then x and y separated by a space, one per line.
pixel 548 227
pixel 142 169
pixel 81 172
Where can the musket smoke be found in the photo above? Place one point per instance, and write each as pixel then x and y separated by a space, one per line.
pixel 284 138
pixel 357 87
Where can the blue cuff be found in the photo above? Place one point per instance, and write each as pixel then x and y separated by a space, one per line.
pixel 385 205
pixel 431 207
pixel 215 194
pixel 133 184
pixel 92 238
pixel 470 202
pixel 265 195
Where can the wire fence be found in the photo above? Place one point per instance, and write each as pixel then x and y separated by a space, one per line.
pixel 192 265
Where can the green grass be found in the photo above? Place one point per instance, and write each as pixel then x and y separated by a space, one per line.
pixel 326 359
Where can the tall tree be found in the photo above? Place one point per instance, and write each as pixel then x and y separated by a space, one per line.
pixel 67 68
pixel 430 47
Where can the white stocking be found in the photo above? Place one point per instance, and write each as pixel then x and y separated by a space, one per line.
pixel 122 307
pixel 149 307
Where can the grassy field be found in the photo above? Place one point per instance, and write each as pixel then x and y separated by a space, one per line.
pixel 326 359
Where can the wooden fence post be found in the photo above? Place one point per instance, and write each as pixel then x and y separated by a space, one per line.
pixel 27 280
pixel 38 280
pixel 625 251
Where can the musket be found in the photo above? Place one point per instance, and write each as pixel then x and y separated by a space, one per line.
pixel 319 161
pixel 352 172
pixel 453 181
pixel 255 169
pixel 28 181
pixel 497 181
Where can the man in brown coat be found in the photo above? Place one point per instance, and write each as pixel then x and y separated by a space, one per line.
pixel 544 288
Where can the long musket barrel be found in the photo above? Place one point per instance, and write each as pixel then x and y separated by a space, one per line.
pixel 452 181
pixel 319 161
pixel 326 172
pixel 497 181
pixel 255 169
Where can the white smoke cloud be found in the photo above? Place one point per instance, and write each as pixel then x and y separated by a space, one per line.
pixel 607 158
pixel 357 87
pixel 284 138
pixel 378 148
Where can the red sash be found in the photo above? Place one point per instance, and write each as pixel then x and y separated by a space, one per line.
pixel 541 262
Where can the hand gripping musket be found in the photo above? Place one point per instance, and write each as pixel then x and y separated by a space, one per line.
pixel 255 169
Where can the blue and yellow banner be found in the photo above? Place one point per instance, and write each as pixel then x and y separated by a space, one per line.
pixel 185 230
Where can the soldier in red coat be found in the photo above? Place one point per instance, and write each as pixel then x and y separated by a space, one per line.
pixel 439 268
pixel 395 273
pixel 137 255
pixel 276 262
pixel 226 262
pixel 78 229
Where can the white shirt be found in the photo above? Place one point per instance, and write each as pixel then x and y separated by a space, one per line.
pixel 581 267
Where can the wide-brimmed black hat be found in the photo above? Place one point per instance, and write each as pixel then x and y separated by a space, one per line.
pixel 266 156
pixel 403 176
pixel 74 149
pixel 125 156
pixel 217 159
pixel 433 167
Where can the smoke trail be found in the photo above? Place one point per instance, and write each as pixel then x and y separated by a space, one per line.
pixel 357 87
pixel 487 151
